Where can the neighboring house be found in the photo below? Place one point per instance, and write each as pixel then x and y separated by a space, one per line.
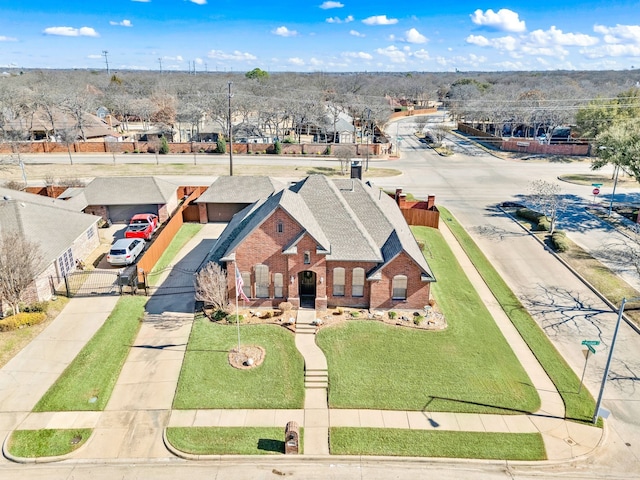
pixel 119 198
pixel 40 220
pixel 322 243
pixel 229 195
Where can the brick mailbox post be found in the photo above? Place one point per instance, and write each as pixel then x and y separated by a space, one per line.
pixel 291 438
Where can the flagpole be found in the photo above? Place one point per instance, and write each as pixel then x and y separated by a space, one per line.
pixel 237 320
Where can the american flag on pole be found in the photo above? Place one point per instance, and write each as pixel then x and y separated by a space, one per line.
pixel 239 285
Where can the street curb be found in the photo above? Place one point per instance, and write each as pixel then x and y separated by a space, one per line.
pixel 36 460
pixel 573 271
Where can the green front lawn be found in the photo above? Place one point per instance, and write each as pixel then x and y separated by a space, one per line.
pixel 87 383
pixel 47 443
pixel 229 440
pixel 208 381
pixel 578 406
pixel 424 443
pixel 468 367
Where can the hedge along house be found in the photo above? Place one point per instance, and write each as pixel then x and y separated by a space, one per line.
pixel 321 243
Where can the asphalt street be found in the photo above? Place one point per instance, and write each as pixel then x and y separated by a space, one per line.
pixel 470 183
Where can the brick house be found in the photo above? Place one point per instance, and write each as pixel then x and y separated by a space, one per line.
pixel 39 220
pixel 320 243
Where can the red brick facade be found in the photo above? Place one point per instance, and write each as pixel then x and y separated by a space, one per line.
pixel 265 246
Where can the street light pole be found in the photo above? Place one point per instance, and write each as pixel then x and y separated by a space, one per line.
pixel 608 365
pixel 615 184
pixel 230 135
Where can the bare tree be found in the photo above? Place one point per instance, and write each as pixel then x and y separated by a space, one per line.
pixel 343 154
pixel 19 259
pixel 546 199
pixel 211 286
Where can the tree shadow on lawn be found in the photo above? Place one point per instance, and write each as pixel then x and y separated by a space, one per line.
pixel 270 445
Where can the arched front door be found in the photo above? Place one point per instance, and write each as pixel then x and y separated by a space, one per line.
pixel 307 288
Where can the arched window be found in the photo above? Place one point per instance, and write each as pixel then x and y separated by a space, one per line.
pixel 338 282
pixel 277 285
pixel 279 227
pixel 357 282
pixel 262 281
pixel 399 287
pixel 246 283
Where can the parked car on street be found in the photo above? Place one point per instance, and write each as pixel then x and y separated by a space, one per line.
pixel 142 226
pixel 125 251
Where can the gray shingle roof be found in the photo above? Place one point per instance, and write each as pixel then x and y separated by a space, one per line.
pixel 128 191
pixel 41 223
pixel 239 189
pixel 351 220
pixel 36 199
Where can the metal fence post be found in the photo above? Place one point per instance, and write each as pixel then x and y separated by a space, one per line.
pixel 66 285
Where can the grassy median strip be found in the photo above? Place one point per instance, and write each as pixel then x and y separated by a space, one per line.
pixel 229 440
pixel 87 383
pixel 424 443
pixel 578 406
pixel 207 380
pixel 467 367
pixel 47 442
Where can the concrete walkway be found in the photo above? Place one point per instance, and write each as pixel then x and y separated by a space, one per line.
pixel 131 427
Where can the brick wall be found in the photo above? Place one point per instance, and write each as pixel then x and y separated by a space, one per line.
pixel 417 291
pixel 99 210
pixel 265 244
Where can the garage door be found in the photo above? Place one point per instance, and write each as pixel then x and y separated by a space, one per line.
pixel 222 212
pixel 123 213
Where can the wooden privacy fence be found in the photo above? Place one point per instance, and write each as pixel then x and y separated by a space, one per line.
pixel 417 216
pixel 168 231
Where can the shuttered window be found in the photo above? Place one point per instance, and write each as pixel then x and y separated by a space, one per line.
pixel 399 287
pixel 262 281
pixel 338 282
pixel 357 282
pixel 277 285
pixel 246 283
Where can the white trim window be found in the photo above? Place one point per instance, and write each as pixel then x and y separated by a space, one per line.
pixel 357 282
pixel 262 281
pixel 338 282
pixel 246 283
pixel 278 284
pixel 399 287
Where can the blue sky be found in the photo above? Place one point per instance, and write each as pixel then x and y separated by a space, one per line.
pixel 336 35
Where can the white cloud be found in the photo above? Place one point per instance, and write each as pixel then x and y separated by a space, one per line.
pixel 612 50
pixel 355 33
pixel 393 53
pixel 284 32
pixel 507 43
pixel 414 36
pixel 619 33
pixel 328 5
pixel 123 23
pixel 347 19
pixel 71 32
pixel 199 2
pixel 296 61
pixel 315 62
pixel 236 55
pixel 94 56
pixel 553 36
pixel 479 40
pixel 141 1
pixel 7 39
pixel 422 54
pixel 199 61
pixel 358 55
pixel 505 19
pixel 380 20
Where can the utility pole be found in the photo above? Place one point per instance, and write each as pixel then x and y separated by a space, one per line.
pixel 230 135
pixel 105 54
pixel 160 62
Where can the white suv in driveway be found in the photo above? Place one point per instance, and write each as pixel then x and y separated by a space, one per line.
pixel 125 251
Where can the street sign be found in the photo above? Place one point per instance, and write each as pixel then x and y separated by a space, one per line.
pixel 596 185
pixel 596 191
pixel 591 349
pixel 590 342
